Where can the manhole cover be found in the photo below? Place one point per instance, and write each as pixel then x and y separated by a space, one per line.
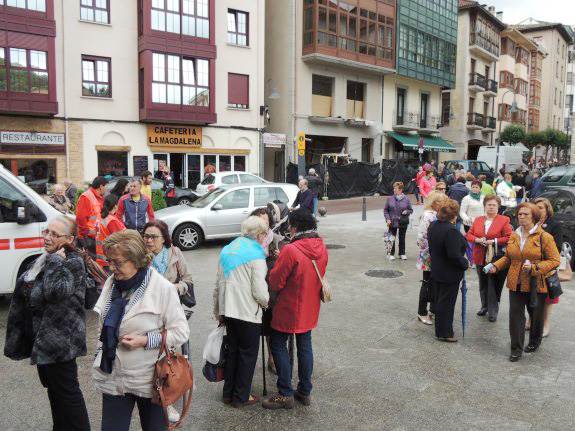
pixel 384 273
pixel 334 246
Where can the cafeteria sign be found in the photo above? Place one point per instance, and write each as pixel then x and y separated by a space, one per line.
pixel 174 136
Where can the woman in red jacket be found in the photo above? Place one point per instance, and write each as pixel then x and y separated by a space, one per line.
pixel 490 234
pixel 296 310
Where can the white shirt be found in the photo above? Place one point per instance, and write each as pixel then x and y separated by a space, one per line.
pixel 523 239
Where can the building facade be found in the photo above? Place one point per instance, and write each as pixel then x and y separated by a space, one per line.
pixel 569 111
pixel 132 86
pixel 469 109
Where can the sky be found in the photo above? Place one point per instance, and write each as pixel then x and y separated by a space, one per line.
pixel 515 11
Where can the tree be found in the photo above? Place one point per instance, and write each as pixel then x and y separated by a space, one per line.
pixel 555 139
pixel 513 134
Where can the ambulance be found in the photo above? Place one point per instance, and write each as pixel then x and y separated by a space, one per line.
pixel 23 216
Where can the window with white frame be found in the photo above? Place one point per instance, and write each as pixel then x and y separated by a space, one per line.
pixel 180 80
pixel 95 10
pixel 187 17
pixel 37 5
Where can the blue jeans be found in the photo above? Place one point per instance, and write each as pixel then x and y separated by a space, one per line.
pixel 283 366
pixel 315 201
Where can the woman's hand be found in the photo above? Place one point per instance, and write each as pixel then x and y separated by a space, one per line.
pixel 527 266
pixel 133 342
pixel 493 270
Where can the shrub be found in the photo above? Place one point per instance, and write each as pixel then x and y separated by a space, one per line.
pixel 158 201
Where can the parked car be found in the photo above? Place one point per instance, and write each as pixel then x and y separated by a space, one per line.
pixel 563 202
pixel 217 179
pixel 183 196
pixel 220 213
pixel 559 176
pixel 476 167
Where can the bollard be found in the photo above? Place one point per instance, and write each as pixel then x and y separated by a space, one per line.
pixel 364 210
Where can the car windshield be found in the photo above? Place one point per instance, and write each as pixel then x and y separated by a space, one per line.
pixel 555 174
pixel 208 198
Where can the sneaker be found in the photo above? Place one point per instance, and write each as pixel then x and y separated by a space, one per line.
pixel 304 399
pixel 390 257
pixel 278 401
pixel 403 257
pixel 173 415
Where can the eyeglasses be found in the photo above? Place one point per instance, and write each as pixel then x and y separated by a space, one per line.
pixel 116 263
pixel 152 237
pixel 52 234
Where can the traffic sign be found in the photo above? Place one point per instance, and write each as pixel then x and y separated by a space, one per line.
pixel 301 142
pixel 301 152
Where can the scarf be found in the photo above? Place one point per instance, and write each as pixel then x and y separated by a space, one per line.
pixel 160 261
pixel 241 250
pixel 475 195
pixel 509 184
pixel 109 336
pixel 35 269
pixel 400 196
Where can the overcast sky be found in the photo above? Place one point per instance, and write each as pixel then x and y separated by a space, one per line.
pixel 515 11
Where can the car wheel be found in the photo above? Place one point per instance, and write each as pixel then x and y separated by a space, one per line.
pixel 567 247
pixel 184 201
pixel 188 237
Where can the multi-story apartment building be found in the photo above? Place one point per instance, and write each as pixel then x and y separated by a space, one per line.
pixel 554 38
pixel 468 110
pixel 514 78
pixel 535 82
pixel 569 112
pixel 426 65
pixel 111 87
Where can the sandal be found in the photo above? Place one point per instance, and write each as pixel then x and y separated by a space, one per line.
pixel 424 319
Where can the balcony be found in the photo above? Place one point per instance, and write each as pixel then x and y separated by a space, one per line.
pixel 405 121
pixel 489 124
pixel 474 121
pixel 491 88
pixel 429 125
pixel 482 47
pixel 476 82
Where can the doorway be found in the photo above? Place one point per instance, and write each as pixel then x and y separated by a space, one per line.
pixel 177 168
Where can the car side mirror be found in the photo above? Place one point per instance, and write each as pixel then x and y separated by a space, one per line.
pixel 217 207
pixel 27 211
pixel 491 170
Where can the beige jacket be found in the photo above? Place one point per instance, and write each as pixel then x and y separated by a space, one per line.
pixel 158 308
pixel 178 272
pixel 244 294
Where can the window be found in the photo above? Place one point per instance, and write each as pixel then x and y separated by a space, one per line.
pixel 224 163
pixel 9 197
pixel 37 5
pixel 321 90
pixel 560 99
pixel 230 179
pixel 247 178
pixel 563 205
pixel 187 17
pixel 569 102
pixel 237 27
pixel 235 199
pixel 264 195
pixel 95 10
pixel 238 91
pixel 520 86
pixel 555 99
pixel 557 67
pixel 114 163
pixel 180 80
pixel 355 99
pixel 569 78
pixel 24 71
pixel 240 163
pixel 96 77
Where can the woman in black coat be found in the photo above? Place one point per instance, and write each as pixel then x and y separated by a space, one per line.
pixel 46 323
pixel 447 248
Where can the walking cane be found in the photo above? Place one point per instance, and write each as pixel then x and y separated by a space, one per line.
pixel 265 391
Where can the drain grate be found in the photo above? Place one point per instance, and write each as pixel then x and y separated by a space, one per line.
pixel 334 246
pixel 384 273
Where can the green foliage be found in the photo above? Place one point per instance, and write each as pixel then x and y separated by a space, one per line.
pixel 532 139
pixel 158 201
pixel 513 134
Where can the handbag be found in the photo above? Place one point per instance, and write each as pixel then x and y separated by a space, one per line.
pixel 325 292
pixel 188 299
pixel 566 274
pixel 173 379
pixel 215 353
pixel 553 284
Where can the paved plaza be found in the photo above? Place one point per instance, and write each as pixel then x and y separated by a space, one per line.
pixel 376 367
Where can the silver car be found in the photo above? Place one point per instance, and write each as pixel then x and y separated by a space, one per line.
pixel 220 213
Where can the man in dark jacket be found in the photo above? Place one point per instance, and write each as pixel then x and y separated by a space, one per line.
pixel 536 185
pixel 304 197
pixel 518 179
pixel 135 209
pixel 457 192
pixel 315 184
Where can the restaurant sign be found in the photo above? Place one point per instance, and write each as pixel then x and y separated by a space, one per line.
pixel 31 138
pixel 274 140
pixel 174 136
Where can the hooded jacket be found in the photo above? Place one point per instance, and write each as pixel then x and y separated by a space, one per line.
pixel 297 285
pixel 457 192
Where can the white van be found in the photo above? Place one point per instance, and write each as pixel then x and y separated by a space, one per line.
pixel 23 216
pixel 510 157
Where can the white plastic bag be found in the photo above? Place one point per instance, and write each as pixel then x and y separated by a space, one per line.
pixel 213 345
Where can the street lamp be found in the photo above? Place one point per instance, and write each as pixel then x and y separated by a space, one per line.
pixel 513 109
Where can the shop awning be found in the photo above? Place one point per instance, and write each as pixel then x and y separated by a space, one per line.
pixel 431 143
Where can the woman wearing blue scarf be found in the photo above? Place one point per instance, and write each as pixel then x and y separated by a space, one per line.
pixel 240 296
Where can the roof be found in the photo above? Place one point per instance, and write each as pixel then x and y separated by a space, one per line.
pixel 542 26
pixel 432 143
pixel 519 38
pixel 475 6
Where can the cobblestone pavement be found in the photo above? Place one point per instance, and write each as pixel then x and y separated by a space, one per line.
pixel 376 366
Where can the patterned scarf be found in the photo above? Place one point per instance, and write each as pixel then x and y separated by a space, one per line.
pixel 160 261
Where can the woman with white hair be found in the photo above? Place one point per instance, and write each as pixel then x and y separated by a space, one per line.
pixel 240 296
pixel 59 200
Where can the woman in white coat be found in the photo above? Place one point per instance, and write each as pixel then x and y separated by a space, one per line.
pixel 507 193
pixel 136 305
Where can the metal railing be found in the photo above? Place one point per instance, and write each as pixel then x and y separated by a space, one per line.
pixel 491 85
pixel 489 123
pixel 430 122
pixel 474 119
pixel 406 119
pixel 477 79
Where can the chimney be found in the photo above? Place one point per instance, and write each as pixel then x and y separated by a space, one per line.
pixel 499 16
pixel 491 10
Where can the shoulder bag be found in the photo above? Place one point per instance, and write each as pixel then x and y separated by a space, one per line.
pixel 173 379
pixel 553 283
pixel 325 293
pixel 188 299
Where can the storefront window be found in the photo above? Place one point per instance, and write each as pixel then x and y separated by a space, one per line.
pixel 209 164
pixel 194 170
pixel 40 175
pixel 240 163
pixel 114 163
pixel 225 163
pixel 160 160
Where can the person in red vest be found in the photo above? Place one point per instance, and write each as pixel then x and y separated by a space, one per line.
pixel 109 225
pixel 88 213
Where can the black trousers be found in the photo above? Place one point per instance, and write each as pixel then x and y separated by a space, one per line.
pixel 426 294
pixel 117 413
pixel 402 231
pixel 518 301
pixel 66 400
pixel 490 287
pixel 446 297
pixel 241 358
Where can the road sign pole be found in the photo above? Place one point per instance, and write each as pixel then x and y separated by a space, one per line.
pixel 301 155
